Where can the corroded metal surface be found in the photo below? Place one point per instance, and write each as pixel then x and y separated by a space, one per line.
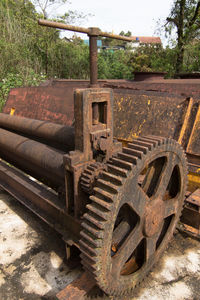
pixel 78 289
pixel 43 103
pixel 151 208
pixel 191 213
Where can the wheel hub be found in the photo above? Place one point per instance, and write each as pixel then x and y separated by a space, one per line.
pixel 153 217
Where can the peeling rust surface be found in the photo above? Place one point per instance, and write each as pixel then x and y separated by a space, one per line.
pixel 42 103
pixel 78 289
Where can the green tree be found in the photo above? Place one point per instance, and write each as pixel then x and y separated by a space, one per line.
pixel 114 64
pixel 185 18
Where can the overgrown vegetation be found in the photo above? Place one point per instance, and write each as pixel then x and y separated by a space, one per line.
pixel 31 54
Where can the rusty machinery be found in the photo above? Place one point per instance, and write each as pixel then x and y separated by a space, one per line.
pixel 118 205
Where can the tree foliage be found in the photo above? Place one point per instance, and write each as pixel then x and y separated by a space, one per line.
pixel 30 53
pixel 185 19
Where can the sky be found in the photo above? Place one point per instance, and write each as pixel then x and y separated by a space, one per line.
pixel 137 16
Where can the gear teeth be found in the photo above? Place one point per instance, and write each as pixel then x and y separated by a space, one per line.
pixel 148 144
pixel 122 164
pixel 89 176
pixel 159 139
pixel 112 178
pixel 127 157
pixel 91 228
pixel 94 219
pixel 85 178
pixel 143 149
pixel 97 210
pixel 89 172
pixel 104 195
pixel 130 151
pixel 86 265
pixel 87 246
pixel 149 141
pixel 85 252
pixel 117 171
pixel 107 186
pixel 107 206
pixel 86 235
pixel 87 260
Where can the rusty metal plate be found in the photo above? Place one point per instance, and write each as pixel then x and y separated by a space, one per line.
pixel 78 289
pixel 42 103
pixel 142 113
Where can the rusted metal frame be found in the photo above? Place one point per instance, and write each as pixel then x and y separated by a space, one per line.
pixel 89 138
pixel 78 289
pixel 41 201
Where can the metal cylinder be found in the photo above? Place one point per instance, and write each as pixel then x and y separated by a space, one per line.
pixel 39 160
pixel 59 135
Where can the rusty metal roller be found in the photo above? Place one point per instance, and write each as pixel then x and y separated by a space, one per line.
pixel 20 150
pixel 46 130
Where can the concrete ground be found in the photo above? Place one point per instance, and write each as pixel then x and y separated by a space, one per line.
pixel 32 264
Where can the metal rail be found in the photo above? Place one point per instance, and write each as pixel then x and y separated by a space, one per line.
pixel 93 33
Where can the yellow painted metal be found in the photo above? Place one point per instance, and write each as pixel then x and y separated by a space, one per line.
pixel 186 119
pixel 194 133
pixel 193 181
pixel 12 111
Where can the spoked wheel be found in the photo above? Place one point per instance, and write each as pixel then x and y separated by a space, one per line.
pixel 133 213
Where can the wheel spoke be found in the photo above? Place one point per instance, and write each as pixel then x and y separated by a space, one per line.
pixel 170 207
pixel 151 243
pixel 138 200
pixel 126 249
pixel 165 176
pixel 148 178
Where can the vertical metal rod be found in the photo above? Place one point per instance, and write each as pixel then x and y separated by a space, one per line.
pixel 93 60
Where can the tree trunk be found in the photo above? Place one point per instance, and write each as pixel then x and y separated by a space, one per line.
pixel 180 46
pixel 179 59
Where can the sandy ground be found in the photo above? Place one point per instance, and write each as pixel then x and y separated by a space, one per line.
pixel 32 261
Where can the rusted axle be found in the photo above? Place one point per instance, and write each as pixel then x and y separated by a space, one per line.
pixel 59 135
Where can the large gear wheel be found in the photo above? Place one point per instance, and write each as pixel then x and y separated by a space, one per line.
pixel 133 213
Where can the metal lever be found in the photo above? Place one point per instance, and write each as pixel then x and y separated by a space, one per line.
pixel 93 33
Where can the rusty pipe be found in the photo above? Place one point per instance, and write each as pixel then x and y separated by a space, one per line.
pixel 50 132
pixel 93 62
pixel 46 161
